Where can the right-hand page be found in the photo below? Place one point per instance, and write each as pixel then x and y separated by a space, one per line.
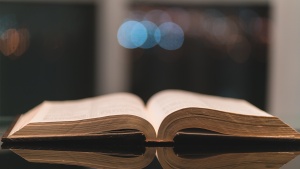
pixel 166 102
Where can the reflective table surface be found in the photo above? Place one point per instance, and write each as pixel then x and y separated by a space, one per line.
pixel 199 154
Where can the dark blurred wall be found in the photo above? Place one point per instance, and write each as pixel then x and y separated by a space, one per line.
pixel 47 53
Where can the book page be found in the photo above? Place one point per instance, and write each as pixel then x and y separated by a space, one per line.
pixel 168 101
pixel 101 106
pixel 24 119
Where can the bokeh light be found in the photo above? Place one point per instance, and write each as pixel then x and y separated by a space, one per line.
pixel 23 43
pixel 146 29
pixel 168 26
pixel 153 35
pixel 146 34
pixel 138 34
pixel 13 41
pixel 157 16
pixel 10 41
pixel 180 17
pixel 132 34
pixel 172 36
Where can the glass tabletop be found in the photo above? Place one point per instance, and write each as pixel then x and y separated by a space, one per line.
pixel 62 155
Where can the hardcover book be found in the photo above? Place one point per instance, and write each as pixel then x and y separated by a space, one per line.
pixel 167 114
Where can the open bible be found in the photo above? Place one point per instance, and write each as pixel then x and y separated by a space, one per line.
pixel 167 114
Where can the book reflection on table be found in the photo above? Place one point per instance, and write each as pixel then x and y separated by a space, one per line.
pixel 87 155
pixel 169 157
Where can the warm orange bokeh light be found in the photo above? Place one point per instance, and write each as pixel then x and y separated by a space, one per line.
pixel 9 41
pixel 13 42
pixel 23 43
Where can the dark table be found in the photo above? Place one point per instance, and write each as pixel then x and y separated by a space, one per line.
pixel 219 154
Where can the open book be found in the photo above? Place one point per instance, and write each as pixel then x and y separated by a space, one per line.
pixel 166 114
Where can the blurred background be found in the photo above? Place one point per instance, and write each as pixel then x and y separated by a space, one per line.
pixel 72 49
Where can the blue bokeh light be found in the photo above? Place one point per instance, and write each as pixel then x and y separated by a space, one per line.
pixel 146 34
pixel 132 34
pixel 152 32
pixel 138 34
pixel 172 36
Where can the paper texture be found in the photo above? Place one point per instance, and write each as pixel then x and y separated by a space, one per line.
pixel 108 105
pixel 166 102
